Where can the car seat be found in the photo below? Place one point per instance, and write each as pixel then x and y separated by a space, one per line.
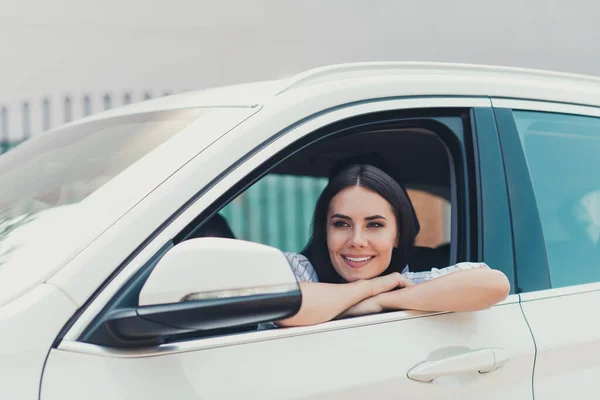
pixel 216 226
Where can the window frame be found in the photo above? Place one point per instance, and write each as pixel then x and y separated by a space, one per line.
pixel 232 180
pixel 530 247
pixel 495 245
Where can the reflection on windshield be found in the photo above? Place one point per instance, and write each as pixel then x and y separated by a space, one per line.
pixel 67 165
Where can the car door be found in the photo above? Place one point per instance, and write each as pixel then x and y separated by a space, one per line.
pixel 551 157
pixel 485 354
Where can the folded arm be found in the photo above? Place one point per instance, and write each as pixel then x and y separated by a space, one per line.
pixel 466 290
pixel 323 302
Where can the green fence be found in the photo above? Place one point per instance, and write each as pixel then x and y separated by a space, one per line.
pixel 276 211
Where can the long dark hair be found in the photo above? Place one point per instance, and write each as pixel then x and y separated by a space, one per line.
pixel 374 179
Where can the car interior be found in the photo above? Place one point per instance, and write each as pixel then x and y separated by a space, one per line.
pixel 419 160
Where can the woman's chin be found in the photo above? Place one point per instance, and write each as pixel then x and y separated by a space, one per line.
pixel 353 275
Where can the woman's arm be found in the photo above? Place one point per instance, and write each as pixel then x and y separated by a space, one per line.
pixel 323 302
pixel 468 290
pixel 370 305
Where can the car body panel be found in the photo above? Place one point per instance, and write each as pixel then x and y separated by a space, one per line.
pixel 353 363
pixel 28 327
pixel 478 80
pixel 567 338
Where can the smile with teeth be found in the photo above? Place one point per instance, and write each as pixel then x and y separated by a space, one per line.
pixel 358 259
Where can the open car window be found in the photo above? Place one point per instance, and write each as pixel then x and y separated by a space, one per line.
pixel 277 210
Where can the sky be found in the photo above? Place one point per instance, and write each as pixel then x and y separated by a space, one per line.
pixel 73 47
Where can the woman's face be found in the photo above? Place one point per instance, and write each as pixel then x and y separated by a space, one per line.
pixel 361 233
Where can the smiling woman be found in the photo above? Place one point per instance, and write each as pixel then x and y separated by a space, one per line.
pixel 360 244
pixel 356 260
pixel 362 212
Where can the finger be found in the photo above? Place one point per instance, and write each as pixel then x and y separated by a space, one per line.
pixel 406 282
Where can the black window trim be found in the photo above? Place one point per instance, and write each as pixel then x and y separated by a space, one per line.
pixel 496 245
pixel 531 261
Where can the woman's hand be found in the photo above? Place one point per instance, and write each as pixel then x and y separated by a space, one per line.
pixel 467 290
pixel 325 301
pixel 386 283
pixel 373 304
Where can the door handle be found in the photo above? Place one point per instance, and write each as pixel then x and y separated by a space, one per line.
pixel 483 360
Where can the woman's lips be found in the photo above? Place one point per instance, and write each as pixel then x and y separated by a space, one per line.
pixel 357 261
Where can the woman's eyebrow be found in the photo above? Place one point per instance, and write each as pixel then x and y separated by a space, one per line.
pixel 341 216
pixel 371 218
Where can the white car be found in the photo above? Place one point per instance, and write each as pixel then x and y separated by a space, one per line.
pixel 108 289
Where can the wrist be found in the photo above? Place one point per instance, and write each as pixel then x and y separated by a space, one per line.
pixel 365 288
pixel 376 303
pixel 392 301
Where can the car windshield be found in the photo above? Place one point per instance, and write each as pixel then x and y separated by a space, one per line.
pixel 67 165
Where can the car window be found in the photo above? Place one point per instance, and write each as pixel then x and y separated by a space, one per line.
pixel 562 156
pixel 276 211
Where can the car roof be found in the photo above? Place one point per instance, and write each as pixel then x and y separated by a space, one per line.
pixel 478 80
pixel 488 74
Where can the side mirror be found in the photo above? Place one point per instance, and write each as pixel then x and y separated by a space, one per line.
pixel 211 283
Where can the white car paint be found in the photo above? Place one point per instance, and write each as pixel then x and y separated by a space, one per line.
pixel 51 287
pixel 567 337
pixel 28 327
pixel 234 266
pixel 354 363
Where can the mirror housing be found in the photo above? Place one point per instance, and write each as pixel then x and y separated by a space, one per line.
pixel 210 268
pixel 206 284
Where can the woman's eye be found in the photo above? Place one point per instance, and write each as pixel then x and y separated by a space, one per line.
pixel 374 225
pixel 340 224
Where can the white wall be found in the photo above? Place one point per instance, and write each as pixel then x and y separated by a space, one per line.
pixel 74 46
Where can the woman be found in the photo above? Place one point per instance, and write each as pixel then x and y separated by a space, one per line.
pixel 356 260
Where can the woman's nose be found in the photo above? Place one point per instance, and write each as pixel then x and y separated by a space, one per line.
pixel 358 239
